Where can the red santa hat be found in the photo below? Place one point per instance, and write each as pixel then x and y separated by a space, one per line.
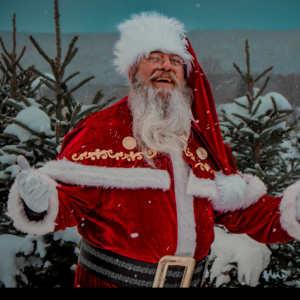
pixel 150 31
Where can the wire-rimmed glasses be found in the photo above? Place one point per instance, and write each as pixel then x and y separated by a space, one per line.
pixel 156 63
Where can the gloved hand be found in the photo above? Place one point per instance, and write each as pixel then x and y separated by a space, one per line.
pixel 229 250
pixel 34 193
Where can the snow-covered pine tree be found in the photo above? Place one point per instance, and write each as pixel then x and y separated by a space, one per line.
pixel 255 128
pixel 36 128
pixel 15 87
pixel 265 144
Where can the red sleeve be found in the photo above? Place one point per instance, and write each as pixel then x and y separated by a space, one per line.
pixel 261 221
pixel 74 203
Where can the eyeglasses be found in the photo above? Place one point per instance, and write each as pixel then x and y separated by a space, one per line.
pixel 156 63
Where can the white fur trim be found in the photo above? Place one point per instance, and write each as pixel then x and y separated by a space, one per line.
pixel 204 188
pixel 288 210
pixel 149 32
pixel 228 193
pixel 124 178
pixel 17 214
pixel 186 243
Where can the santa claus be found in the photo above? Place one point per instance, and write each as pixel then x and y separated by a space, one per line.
pixel 150 176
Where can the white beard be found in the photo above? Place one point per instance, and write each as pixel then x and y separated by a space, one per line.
pixel 160 116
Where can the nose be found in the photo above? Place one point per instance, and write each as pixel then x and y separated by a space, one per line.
pixel 166 65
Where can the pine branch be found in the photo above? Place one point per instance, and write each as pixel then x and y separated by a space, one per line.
pixel 57 131
pixel 86 112
pixel 51 110
pixel 55 70
pixel 74 52
pixel 281 180
pixel 70 77
pixel 33 69
pixel 97 97
pixel 41 148
pixel 16 151
pixel 240 72
pixel 7 95
pixel 20 56
pixel 263 88
pixel 50 86
pixel 256 108
pixel 247 60
pixel 27 86
pixel 14 105
pixel 260 171
pixel 245 142
pixel 32 92
pixel 23 99
pixel 39 49
pixel 263 74
pixel 10 136
pixel 274 104
pixel 25 127
pixel 2 68
pixel 58 36
pixel 75 113
pixel 80 84
pixel 68 55
pixel 247 121
pixel 228 120
pixel 49 101
pixel 68 103
pixel 8 65
pixel 239 104
pixel 14 34
pixel 4 48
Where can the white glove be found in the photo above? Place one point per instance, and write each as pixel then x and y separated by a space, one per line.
pixel 34 193
pixel 250 256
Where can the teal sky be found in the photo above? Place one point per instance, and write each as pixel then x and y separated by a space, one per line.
pixel 82 16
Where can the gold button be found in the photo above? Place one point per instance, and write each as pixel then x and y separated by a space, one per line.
pixel 129 143
pixel 202 153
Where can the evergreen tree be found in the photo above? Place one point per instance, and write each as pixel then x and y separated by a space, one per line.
pixel 255 128
pixel 36 128
pixel 265 144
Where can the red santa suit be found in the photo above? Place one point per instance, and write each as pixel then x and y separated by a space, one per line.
pixel 102 184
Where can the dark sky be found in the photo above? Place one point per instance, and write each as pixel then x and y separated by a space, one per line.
pixel 82 16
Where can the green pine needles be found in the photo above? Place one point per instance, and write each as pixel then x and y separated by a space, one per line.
pixel 34 125
pixel 257 130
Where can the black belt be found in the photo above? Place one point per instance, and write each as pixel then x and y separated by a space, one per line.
pixel 127 272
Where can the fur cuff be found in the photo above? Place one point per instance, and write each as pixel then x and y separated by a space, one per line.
pixel 17 213
pixel 228 193
pixel 288 211
pixel 124 178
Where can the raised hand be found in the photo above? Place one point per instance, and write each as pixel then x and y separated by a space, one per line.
pixel 33 191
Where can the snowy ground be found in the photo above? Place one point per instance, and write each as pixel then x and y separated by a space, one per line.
pixel 10 245
pixel 251 257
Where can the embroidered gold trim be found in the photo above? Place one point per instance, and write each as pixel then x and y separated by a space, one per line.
pixel 104 154
pixel 189 154
pixel 203 166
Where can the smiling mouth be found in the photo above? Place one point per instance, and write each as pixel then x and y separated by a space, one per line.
pixel 167 80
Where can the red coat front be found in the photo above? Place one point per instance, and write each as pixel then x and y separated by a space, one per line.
pixel 120 203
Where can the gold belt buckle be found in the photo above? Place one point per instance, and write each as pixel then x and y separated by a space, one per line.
pixel 188 262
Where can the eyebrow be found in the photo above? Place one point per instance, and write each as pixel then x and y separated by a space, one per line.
pixel 159 53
